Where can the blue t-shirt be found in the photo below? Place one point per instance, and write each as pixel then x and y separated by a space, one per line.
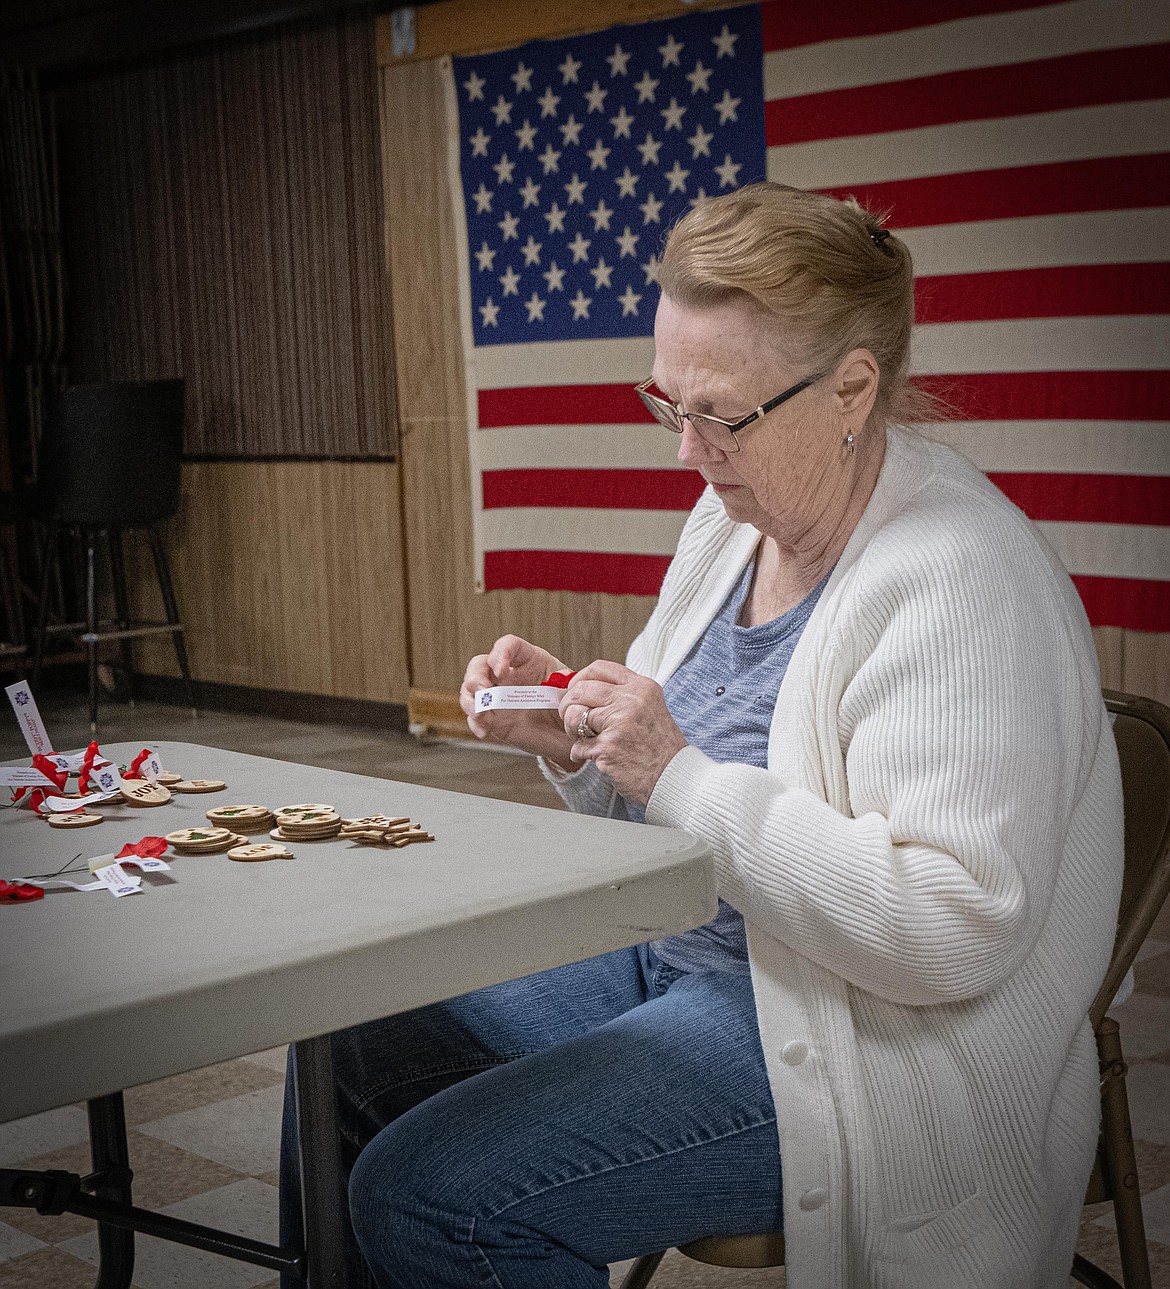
pixel 722 698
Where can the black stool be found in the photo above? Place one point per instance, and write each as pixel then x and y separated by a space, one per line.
pixel 110 458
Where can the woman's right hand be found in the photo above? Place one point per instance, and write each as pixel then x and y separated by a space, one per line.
pixel 513 661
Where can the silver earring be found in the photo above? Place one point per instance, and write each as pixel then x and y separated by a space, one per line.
pixel 849 443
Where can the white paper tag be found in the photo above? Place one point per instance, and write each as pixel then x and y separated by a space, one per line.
pixel 151 768
pixel 61 805
pixel 25 776
pixel 118 880
pixel 516 697
pixel 28 717
pixel 106 779
pixel 148 864
pixel 70 762
pixel 48 882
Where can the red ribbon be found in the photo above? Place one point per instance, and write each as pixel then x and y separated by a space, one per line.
pixel 91 755
pixel 19 892
pixel 560 679
pixel 147 848
pixel 135 771
pixel 50 771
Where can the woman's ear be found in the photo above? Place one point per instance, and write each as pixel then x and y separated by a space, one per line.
pixel 855 386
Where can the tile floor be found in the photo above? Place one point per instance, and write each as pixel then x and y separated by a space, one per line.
pixel 204 1145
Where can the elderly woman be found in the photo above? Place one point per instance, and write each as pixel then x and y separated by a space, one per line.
pixel 871 688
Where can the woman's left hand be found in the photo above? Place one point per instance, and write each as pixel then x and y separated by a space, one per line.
pixel 634 737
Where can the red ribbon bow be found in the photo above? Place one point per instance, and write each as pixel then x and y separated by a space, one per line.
pixel 147 848
pixel 560 679
pixel 135 770
pixel 50 771
pixel 19 892
pixel 91 755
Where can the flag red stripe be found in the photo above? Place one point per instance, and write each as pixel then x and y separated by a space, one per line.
pixel 786 26
pixel 973 94
pixel 573 571
pixel 985 396
pixel 1054 396
pixel 1054 188
pixel 1089 498
pixel 1067 291
pixel 631 489
pixel 1134 603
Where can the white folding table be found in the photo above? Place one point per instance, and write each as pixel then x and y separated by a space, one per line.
pixel 221 959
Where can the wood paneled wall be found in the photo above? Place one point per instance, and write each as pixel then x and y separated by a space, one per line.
pixel 448 621
pixel 222 214
pixel 289 577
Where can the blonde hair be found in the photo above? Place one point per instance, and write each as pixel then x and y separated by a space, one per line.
pixel 811 263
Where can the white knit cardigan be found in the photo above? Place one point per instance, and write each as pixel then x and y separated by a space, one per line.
pixel 929 869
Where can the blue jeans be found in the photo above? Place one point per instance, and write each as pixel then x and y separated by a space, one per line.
pixel 526 1135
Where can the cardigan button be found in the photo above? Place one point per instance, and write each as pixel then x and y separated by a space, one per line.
pixel 794 1053
pixel 812 1200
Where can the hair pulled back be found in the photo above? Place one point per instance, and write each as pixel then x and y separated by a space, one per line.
pixel 811 263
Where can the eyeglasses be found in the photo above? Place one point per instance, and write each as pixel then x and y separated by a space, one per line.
pixel 713 429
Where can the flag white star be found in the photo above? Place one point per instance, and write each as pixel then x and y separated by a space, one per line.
pixel 525 135
pixel 479 143
pixel 646 87
pixel 556 218
pixel 725 42
pixel 502 110
pixel 531 251
pixel 650 268
pixel 699 78
pixel 521 78
pixel 580 304
pixel 676 176
pixel 508 226
pixel 530 192
pixel 627 181
pixel 650 209
pixel 602 272
pixel 485 255
pixel 535 306
pixel 726 107
pixel 548 103
pixel 621 123
pixel 626 240
pixel 510 281
pixel 672 115
pixel 629 299
pixel 503 169
pixel 554 276
pixel 617 61
pixel 580 247
pixel 571 130
pixel 474 86
pixel 569 69
pixel 700 143
pixel 595 98
pixel 597 155
pixel 701 195
pixel 482 198
pixel 650 150
pixel 576 189
pixel 549 158
pixel 727 171
pixel 670 51
pixel 489 312
pixel 601 215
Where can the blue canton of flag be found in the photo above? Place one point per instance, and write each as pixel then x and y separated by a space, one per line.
pixel 577 155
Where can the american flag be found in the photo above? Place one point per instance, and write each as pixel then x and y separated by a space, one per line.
pixel 1021 153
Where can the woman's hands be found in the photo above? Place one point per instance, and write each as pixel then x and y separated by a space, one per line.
pixel 634 737
pixel 513 661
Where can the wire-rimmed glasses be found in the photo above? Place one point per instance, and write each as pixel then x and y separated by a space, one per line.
pixel 715 430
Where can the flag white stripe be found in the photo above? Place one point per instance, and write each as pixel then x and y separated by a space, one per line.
pixel 1041 344
pixel 1072 447
pixel 1111 550
pixel 1040 241
pixel 983 41
pixel 565 362
pixel 1024 447
pixel 1038 138
pixel 620 532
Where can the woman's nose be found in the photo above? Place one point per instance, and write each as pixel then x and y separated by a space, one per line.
pixel 694 450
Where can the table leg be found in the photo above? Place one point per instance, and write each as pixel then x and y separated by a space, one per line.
pixel 322 1189
pixel 110 1155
